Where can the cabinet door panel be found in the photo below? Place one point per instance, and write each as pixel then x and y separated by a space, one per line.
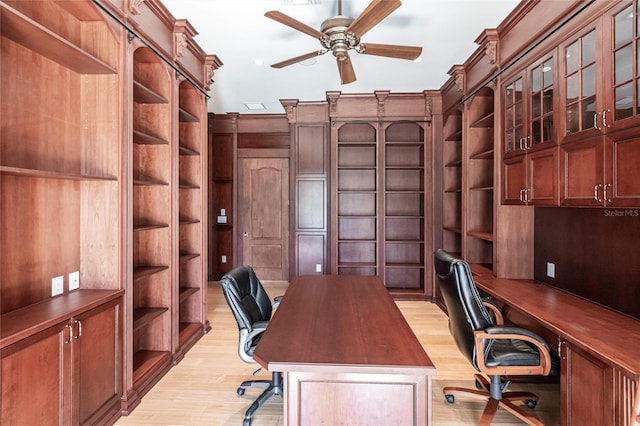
pixel 514 180
pixel 98 353
pixel 542 167
pixel 32 380
pixel 581 172
pixel 588 386
pixel 624 174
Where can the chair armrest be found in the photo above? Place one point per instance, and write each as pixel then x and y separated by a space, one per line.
pixel 276 302
pixel 247 337
pixel 495 309
pixel 506 332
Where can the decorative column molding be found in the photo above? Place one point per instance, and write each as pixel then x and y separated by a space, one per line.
pixel 332 98
pixel 290 108
pixel 181 44
pixel 381 96
pixel 489 41
pixel 184 34
pixel 428 105
pixel 458 73
pixel 211 64
pixel 134 6
pixel 234 116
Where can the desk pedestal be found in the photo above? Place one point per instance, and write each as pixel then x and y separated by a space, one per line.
pixel 318 398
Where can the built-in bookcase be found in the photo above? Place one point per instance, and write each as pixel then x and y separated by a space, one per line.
pixel 452 183
pixel 357 159
pixel 190 214
pixel 152 255
pixel 404 161
pixel 60 213
pixel 479 178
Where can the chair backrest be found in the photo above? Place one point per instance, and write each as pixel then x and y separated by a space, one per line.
pixel 250 306
pixel 246 297
pixel 466 311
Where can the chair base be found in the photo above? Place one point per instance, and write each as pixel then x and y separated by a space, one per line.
pixel 271 387
pixel 506 401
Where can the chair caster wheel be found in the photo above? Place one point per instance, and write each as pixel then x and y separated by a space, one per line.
pixel 531 403
pixel 240 391
pixel 450 398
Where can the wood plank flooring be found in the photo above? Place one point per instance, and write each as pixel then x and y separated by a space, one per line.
pixel 201 389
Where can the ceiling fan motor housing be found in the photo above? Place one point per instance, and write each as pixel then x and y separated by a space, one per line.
pixel 338 39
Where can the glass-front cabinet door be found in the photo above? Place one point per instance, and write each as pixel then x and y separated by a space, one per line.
pixel 601 74
pixel 601 139
pixel 622 75
pixel 529 128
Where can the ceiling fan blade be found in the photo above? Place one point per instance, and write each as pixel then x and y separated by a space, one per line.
pixel 372 15
pixel 298 59
pixel 347 74
pixel 293 23
pixel 390 50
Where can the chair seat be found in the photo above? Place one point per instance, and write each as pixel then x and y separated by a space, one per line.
pixel 514 352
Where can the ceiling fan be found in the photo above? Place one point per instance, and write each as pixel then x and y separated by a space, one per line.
pixel 339 34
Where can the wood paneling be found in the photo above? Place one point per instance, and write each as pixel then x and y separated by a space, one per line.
pixel 575 241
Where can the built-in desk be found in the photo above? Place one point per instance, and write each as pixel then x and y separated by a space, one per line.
pixel 347 355
pixel 599 348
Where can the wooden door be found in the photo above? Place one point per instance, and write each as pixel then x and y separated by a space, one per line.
pixel 263 216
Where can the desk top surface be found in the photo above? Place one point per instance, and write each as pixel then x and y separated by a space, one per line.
pixel 340 321
pixel 607 334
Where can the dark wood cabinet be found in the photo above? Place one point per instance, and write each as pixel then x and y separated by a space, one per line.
pixel 530 158
pixel 113 164
pixel 596 392
pixel 310 164
pixel 55 367
pixel 601 89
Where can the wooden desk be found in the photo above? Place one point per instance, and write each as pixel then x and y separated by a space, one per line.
pixel 599 348
pixel 347 355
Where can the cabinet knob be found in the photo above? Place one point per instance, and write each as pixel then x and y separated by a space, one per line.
pixel 595 121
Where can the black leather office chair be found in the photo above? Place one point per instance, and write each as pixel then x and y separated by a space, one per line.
pixel 252 310
pixel 493 349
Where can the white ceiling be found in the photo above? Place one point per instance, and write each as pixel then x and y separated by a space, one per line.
pixel 239 34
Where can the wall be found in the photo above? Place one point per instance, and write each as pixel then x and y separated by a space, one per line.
pixel 596 253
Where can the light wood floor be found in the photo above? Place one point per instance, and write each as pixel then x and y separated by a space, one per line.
pixel 201 389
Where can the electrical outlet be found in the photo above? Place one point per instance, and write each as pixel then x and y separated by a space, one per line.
pixel 224 259
pixel 551 270
pixel 57 285
pixel 318 267
pixel 74 280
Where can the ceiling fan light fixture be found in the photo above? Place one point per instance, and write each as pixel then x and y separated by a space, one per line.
pixel 340 33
